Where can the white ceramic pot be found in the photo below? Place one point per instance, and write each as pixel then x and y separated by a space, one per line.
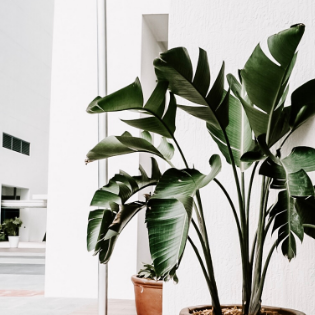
pixel 14 241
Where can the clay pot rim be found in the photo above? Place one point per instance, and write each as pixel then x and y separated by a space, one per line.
pixel 187 310
pixel 158 284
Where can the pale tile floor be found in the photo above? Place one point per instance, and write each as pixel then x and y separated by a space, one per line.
pixel 22 288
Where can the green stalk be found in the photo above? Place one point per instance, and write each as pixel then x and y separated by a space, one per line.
pixel 250 190
pixel 256 305
pixel 212 286
pixel 206 248
pixel 254 302
pixel 309 226
pixel 245 259
pixel 233 209
pixel 208 257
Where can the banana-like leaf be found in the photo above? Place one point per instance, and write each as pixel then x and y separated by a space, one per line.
pixel 147 136
pixel 175 67
pixel 302 104
pixel 266 84
pixel 289 173
pixel 131 98
pixel 169 213
pixel 125 214
pixel 105 226
pixel 306 211
pixel 166 148
pixel 120 145
pixel 99 221
pixel 164 126
pixel 288 221
pixel 168 223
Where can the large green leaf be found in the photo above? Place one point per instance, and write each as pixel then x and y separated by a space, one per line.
pixel 175 67
pixel 162 125
pixel 125 213
pixel 306 211
pixel 99 221
pixel 105 226
pixel 289 174
pixel 131 98
pixel 288 221
pixel 266 84
pixel 168 223
pixel 120 145
pixel 302 104
pixel 169 213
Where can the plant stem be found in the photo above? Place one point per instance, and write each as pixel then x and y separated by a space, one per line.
pixel 233 209
pixel 255 302
pixel 250 190
pixel 309 226
pixel 210 278
pixel 211 284
pixel 244 253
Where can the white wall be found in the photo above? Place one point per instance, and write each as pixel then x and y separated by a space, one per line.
pixel 124 65
pixel 229 30
pixel 25 69
pixel 70 270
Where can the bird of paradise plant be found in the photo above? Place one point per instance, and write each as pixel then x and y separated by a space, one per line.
pixel 250 122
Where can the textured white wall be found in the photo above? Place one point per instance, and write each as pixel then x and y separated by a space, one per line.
pixel 25 70
pixel 229 31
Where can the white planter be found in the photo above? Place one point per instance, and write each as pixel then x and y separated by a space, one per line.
pixel 14 241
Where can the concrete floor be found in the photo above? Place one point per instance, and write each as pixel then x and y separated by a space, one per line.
pixel 22 279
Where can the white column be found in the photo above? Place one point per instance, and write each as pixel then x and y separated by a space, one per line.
pixel 70 270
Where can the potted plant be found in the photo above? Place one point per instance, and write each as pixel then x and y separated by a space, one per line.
pixel 250 122
pixel 2 234
pixel 148 291
pixel 11 228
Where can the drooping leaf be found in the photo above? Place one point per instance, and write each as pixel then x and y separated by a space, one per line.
pixel 168 224
pixel 106 225
pixel 289 174
pixel 169 213
pixel 120 145
pixel 99 221
pixel 288 221
pixel 302 104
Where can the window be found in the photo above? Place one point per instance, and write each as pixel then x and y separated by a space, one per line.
pixel 15 144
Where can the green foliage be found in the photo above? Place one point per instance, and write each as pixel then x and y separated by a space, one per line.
pixel 148 272
pixel 250 122
pixel 11 226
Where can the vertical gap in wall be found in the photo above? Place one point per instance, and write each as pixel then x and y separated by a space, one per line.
pixel 154 41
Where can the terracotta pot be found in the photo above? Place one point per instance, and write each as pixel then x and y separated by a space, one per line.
pixel 282 311
pixel 148 294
